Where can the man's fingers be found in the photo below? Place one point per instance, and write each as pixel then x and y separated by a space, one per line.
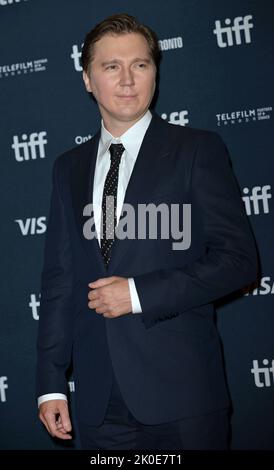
pixel 51 421
pixel 94 304
pixel 55 416
pixel 61 428
pixel 104 281
pixel 93 294
pixel 102 309
pixel 110 297
pixel 64 419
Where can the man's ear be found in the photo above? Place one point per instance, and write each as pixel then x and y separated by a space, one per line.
pixel 87 82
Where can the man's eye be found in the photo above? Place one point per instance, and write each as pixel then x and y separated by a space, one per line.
pixel 111 67
pixel 142 65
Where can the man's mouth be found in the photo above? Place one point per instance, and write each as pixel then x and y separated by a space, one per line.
pixel 127 97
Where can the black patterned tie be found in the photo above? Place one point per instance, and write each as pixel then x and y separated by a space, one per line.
pixel 109 202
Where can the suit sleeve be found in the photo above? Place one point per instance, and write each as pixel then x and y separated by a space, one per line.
pixel 54 343
pixel 230 258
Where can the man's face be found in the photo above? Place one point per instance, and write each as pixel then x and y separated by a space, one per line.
pixel 121 78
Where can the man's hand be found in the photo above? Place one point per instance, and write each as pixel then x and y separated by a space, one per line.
pixel 110 296
pixel 55 416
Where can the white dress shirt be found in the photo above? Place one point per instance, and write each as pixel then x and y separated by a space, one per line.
pixel 132 140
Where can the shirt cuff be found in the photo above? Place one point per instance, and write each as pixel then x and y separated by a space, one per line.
pixel 51 396
pixel 135 302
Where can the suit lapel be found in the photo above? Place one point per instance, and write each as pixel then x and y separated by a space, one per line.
pixel 143 180
pixel 82 178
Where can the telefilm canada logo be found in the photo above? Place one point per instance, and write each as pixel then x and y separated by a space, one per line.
pixel 244 116
pixel 23 68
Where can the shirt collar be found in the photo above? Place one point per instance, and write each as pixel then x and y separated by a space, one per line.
pixel 131 139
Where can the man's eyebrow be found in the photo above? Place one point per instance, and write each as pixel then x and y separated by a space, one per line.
pixel 117 61
pixel 110 61
pixel 139 59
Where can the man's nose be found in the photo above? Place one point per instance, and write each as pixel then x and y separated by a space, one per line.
pixel 127 77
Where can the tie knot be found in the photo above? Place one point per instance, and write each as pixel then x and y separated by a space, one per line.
pixel 116 151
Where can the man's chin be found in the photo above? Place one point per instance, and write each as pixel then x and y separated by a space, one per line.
pixel 127 116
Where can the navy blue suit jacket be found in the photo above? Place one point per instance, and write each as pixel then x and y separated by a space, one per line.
pixel 167 359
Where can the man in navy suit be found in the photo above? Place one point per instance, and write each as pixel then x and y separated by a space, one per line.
pixel 135 313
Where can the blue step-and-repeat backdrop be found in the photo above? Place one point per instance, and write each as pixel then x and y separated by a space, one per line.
pixel 217 74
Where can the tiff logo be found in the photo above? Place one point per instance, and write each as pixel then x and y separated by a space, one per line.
pixel 262 374
pixel 34 304
pixel 176 117
pixel 71 385
pixel 30 147
pixel 32 225
pixel 259 197
pixel 76 56
pixel 3 387
pixel 225 36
